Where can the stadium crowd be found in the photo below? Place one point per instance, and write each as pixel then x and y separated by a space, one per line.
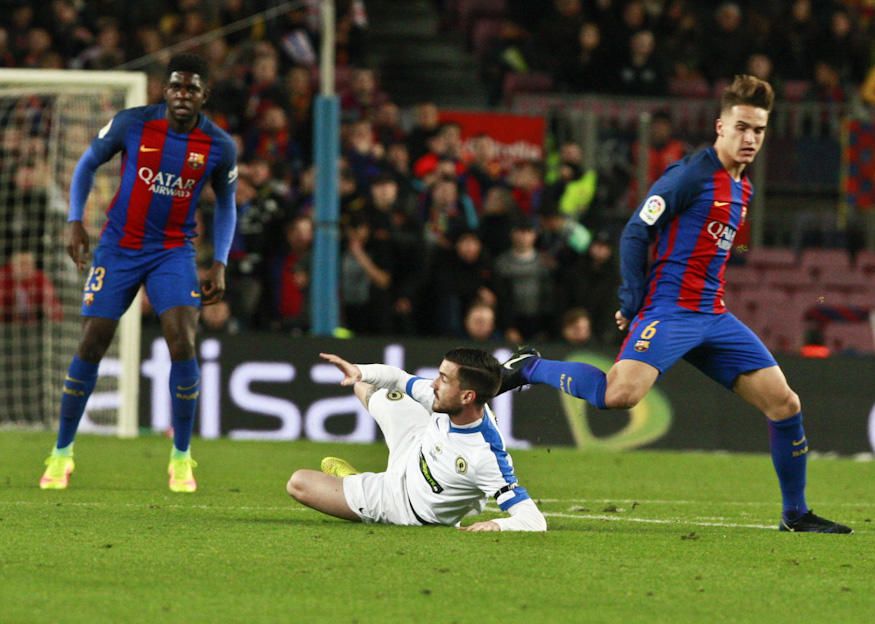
pixel 435 241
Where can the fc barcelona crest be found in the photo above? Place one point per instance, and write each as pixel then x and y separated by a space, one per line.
pixel 642 345
pixel 195 160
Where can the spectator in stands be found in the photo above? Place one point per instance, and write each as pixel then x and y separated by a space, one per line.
pixel 265 89
pixel 526 180
pixel 458 278
pixel 20 23
pixel 425 123
pixel 844 48
pixel 524 286
pixel 575 188
pixel 272 139
pixel 363 97
pixel 297 40
pixel 483 171
pixel 27 295
pixel 558 34
pixel 106 53
pixel 576 327
pixel 69 34
pixel 680 34
pixel 365 279
pixel 363 153
pixel 7 59
pixel 828 87
pixel 387 124
pixel 39 46
pixel 795 35
pixel 392 223
pixel 291 276
pixel 480 323
pixel 300 107
pixel 512 51
pixel 589 70
pixel 642 72
pixel 446 215
pixel 500 212
pixel 397 164
pixel 591 282
pixel 735 42
pixel 663 150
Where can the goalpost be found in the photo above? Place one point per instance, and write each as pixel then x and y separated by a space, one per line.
pixel 47 120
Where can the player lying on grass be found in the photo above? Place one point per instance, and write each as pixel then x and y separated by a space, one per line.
pixel 674 309
pixel 446 455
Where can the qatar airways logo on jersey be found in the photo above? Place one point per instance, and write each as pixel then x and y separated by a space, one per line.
pixel 162 183
pixel 723 234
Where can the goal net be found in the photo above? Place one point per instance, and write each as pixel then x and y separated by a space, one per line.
pixel 47 120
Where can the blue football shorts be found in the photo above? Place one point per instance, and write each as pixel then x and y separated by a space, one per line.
pixel 169 275
pixel 719 345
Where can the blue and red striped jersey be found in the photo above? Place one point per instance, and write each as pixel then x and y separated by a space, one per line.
pixel 162 176
pixel 692 213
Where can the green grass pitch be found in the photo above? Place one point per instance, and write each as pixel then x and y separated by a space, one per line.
pixel 634 537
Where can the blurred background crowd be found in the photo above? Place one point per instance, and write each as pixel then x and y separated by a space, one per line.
pixel 437 239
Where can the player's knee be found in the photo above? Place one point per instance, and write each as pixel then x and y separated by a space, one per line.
pixel 296 486
pixel 180 349
pixel 785 406
pixel 622 396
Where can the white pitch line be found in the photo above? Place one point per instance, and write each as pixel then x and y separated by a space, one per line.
pixel 646 501
pixel 681 521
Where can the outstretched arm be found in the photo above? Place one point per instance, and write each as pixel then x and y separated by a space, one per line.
pixel 524 516
pixel 383 376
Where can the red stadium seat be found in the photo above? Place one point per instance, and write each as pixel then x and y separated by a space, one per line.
pixel 771 257
pixel 822 263
pixel 855 337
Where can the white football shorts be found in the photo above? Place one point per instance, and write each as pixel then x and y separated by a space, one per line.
pixel 381 497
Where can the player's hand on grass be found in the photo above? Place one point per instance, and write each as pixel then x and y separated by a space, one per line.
pixel 622 321
pixel 351 372
pixel 213 284
pixel 78 245
pixel 488 525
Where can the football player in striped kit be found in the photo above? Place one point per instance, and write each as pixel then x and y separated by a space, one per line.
pixel 673 306
pixel 170 151
pixel 446 454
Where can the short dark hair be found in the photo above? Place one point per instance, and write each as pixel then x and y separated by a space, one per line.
pixel 478 371
pixel 748 90
pixel 191 63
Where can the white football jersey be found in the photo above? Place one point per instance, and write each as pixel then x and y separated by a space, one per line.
pixel 452 470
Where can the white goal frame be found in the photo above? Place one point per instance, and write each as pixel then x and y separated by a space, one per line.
pixel 134 85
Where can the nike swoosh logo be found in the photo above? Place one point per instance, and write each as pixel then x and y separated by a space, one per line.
pixel 799 442
pixel 195 294
pixel 143 148
pixel 718 204
pixel 187 387
pixel 68 378
pixel 509 364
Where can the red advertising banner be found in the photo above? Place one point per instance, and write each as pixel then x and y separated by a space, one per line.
pixel 517 137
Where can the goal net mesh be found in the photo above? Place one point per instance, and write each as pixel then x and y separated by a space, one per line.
pixel 45 129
